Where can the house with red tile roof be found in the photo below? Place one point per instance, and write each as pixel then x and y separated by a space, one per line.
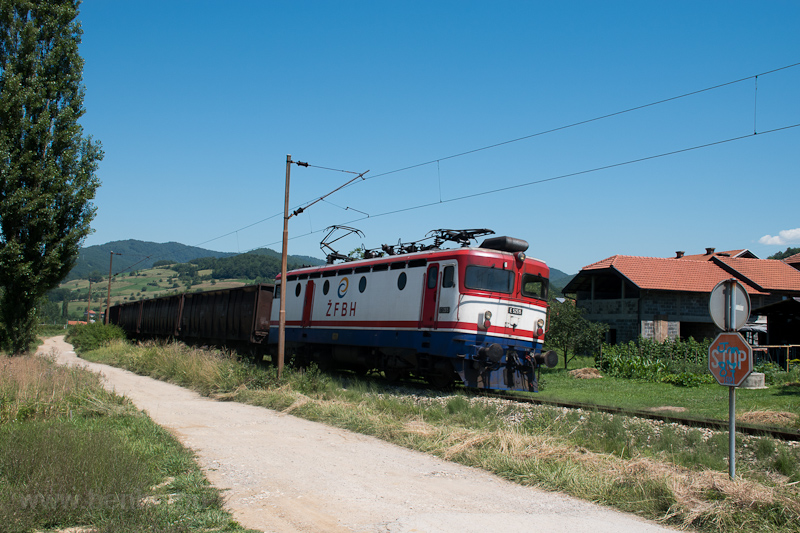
pixel 793 260
pixel 667 298
pixel 744 253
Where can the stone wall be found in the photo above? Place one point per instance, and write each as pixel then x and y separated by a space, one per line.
pixel 655 315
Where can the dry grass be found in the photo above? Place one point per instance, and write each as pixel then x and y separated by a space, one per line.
pixel 690 489
pixel 585 373
pixel 34 388
pixel 667 409
pixel 769 418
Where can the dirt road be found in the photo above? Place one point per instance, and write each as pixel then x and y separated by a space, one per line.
pixel 284 475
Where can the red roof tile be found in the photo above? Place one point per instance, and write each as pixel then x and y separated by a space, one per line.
pixel 768 274
pixel 792 259
pixel 657 273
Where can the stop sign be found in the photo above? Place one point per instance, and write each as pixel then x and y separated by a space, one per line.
pixel 730 359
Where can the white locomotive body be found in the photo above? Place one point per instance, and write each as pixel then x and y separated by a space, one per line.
pixel 476 314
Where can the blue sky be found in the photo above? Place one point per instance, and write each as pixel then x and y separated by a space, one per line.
pixel 197 104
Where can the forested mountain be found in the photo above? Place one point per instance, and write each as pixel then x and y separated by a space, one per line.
pixel 261 265
pixel 299 259
pixel 136 254
pixel 140 255
pixel 558 280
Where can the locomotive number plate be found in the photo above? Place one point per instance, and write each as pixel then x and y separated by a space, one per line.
pixel 514 311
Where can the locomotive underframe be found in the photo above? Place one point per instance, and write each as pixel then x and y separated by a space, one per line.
pixel 478 361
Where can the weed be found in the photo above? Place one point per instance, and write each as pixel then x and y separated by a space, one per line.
pixel 764 448
pixel 85 337
pixel 72 453
pixel 677 362
pixel 58 474
pixel 786 462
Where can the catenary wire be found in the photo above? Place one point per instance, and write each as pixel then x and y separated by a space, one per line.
pixel 555 178
pixel 518 139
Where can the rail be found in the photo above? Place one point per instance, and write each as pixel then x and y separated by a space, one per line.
pixel 710 423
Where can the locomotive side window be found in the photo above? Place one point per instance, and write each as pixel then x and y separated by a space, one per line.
pixel 534 286
pixel 297 290
pixel 401 281
pixel 433 276
pixel 448 277
pixel 362 284
pixel 489 279
pixel 326 287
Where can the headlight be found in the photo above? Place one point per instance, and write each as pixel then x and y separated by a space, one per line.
pixel 487 315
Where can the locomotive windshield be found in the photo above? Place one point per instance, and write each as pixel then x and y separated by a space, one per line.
pixel 534 286
pixel 489 279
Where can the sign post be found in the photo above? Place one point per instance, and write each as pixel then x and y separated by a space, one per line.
pixel 730 357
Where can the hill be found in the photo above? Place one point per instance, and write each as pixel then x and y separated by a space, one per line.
pixel 559 280
pixel 136 254
pixel 297 259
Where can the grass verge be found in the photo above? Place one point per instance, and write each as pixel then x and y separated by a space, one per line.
pixel 73 454
pixel 702 401
pixel 664 472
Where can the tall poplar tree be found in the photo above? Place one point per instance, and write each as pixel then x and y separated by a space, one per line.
pixel 47 166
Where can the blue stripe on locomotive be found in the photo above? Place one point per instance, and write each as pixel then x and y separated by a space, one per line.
pixel 460 348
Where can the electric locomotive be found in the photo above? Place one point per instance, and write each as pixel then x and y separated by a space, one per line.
pixel 475 313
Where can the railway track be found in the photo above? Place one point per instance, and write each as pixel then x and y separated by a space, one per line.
pixel 709 423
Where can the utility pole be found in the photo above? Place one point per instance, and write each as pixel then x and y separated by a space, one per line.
pixel 286 217
pixel 89 304
pixel 108 298
pixel 282 312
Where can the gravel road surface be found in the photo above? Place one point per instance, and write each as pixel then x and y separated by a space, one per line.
pixel 283 474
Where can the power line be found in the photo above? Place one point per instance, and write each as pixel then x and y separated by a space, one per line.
pixel 526 137
pixel 582 122
pixel 559 177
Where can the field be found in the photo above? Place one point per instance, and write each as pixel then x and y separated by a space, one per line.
pixel 703 401
pixel 149 283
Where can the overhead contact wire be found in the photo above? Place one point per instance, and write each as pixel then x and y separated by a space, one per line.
pixel 560 177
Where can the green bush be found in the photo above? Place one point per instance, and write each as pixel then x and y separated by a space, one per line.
pixel 678 362
pixel 85 337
